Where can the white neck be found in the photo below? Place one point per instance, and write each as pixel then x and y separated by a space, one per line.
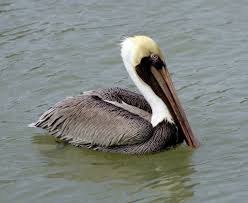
pixel 160 111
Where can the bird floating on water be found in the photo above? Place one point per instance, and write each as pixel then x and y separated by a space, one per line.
pixel 118 120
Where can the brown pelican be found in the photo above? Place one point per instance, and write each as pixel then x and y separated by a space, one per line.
pixel 118 120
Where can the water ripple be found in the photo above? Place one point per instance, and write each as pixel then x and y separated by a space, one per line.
pixel 53 49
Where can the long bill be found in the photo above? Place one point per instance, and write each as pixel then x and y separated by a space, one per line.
pixel 163 78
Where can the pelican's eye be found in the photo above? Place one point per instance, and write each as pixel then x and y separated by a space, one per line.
pixel 154 57
pixel 156 61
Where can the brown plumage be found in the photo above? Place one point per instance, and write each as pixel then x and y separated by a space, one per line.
pixel 91 120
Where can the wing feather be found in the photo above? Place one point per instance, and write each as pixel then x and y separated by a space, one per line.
pixel 90 121
pixel 120 95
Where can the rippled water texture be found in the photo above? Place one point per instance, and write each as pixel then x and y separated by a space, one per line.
pixel 51 49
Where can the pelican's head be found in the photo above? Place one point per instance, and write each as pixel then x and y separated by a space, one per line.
pixel 145 64
pixel 142 46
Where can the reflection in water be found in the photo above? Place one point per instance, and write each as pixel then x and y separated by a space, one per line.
pixel 153 177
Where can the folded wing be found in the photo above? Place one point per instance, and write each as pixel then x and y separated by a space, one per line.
pixel 89 120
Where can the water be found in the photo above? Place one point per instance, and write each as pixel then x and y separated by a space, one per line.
pixel 52 49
